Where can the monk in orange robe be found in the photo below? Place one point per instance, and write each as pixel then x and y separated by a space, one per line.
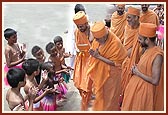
pixel 148 16
pixel 107 54
pixel 118 22
pixel 145 90
pixel 131 44
pixel 83 39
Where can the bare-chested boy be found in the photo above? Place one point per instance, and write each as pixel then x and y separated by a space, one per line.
pixel 58 41
pixel 14 54
pixel 16 79
pixel 55 58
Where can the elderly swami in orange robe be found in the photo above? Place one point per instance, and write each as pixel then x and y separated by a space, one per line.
pixel 107 54
pixel 131 44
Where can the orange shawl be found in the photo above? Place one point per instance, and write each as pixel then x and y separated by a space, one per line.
pixel 129 36
pixel 131 41
pixel 141 95
pixel 128 63
pixel 149 17
pixel 81 81
pixel 118 25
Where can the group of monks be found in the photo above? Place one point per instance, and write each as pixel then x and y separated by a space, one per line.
pixel 121 65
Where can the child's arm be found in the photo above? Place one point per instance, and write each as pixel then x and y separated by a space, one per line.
pixel 62 71
pixel 67 55
pixel 31 97
pixel 44 76
pixel 66 67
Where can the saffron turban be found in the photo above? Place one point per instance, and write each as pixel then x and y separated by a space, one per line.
pixel 80 18
pixel 133 11
pixel 98 29
pixel 147 30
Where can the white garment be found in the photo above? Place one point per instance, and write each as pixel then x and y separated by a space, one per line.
pixel 70 41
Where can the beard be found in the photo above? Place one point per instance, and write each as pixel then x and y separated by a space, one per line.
pixel 82 30
pixel 120 13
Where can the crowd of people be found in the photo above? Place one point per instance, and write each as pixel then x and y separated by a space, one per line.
pixel 118 63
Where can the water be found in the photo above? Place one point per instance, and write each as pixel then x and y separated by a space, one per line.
pixel 38 24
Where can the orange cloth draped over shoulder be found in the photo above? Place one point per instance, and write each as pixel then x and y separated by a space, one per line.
pixel 106 78
pixel 136 52
pixel 129 36
pixel 141 95
pixel 118 25
pixel 81 81
pixel 149 17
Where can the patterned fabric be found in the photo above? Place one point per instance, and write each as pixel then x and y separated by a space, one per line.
pixel 6 69
pixel 49 103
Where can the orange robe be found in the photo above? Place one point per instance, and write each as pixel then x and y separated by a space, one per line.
pixel 81 81
pixel 136 53
pixel 149 17
pixel 141 95
pixel 118 25
pixel 81 61
pixel 106 78
pixel 131 41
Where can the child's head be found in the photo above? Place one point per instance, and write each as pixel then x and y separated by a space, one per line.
pixel 10 34
pixel 37 52
pixel 16 76
pixel 58 42
pixel 50 67
pixel 30 66
pixel 50 48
